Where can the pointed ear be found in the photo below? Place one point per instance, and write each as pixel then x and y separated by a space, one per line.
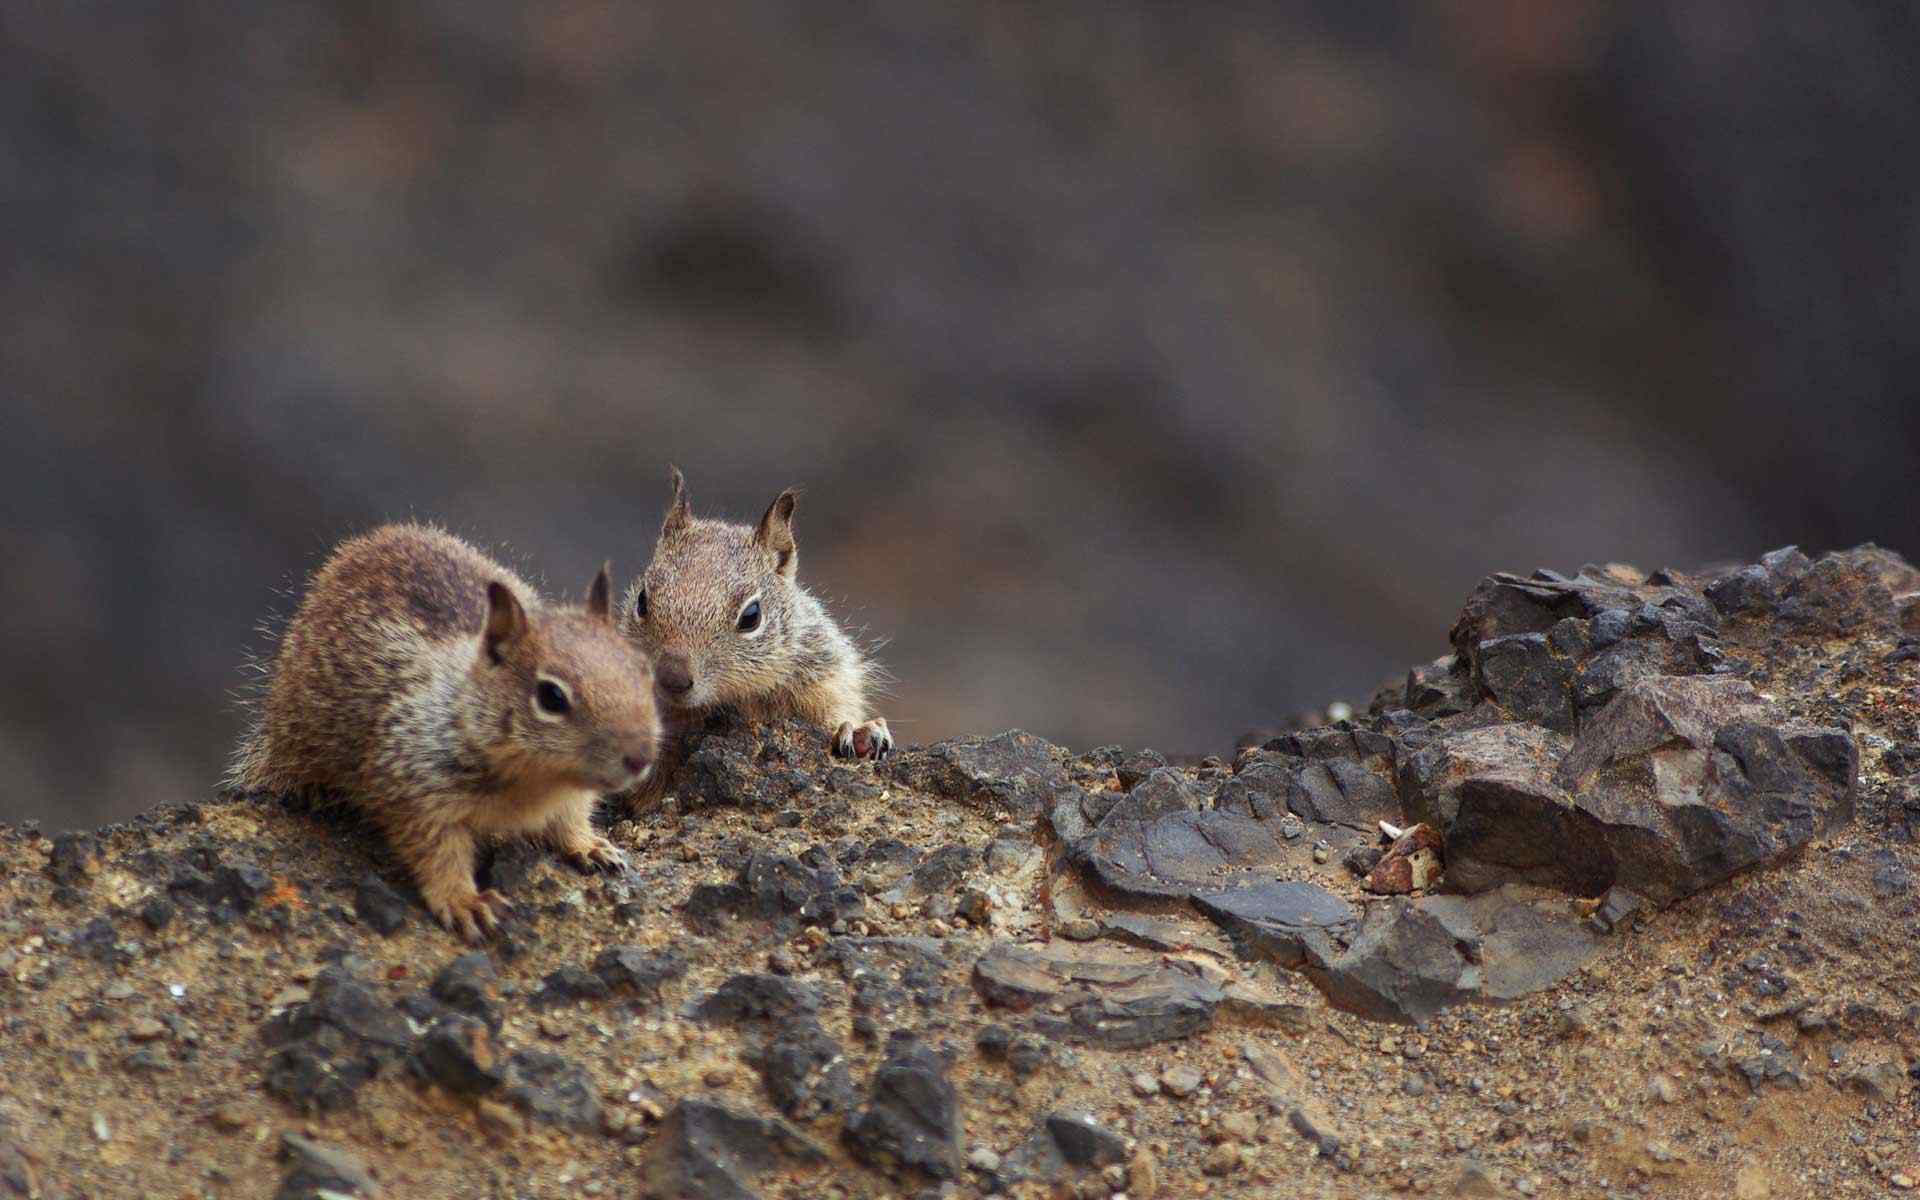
pixel 506 620
pixel 600 594
pixel 679 512
pixel 775 534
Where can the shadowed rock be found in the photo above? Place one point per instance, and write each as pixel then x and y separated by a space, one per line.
pixel 707 1151
pixel 1015 771
pixel 1110 996
pixel 1278 920
pixel 912 1117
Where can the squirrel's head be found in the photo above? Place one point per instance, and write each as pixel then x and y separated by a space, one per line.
pixel 714 609
pixel 576 698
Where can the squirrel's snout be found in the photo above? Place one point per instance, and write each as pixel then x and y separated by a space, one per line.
pixel 674 675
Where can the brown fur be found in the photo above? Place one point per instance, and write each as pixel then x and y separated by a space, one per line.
pixel 408 683
pixel 799 664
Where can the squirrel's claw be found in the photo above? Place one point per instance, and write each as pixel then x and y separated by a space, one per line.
pixel 474 918
pixel 870 740
pixel 598 855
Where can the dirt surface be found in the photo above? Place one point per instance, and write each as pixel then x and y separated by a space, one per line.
pixel 820 979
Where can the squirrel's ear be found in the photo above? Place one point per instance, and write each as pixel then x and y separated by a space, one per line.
pixel 775 533
pixel 600 594
pixel 506 620
pixel 679 513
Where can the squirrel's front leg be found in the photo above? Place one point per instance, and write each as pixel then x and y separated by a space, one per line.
pixel 441 860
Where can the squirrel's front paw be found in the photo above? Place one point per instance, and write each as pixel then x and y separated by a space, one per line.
pixel 597 854
pixel 474 916
pixel 871 740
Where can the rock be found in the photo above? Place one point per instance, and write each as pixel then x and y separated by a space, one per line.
pixel 1290 1092
pixel 316 1171
pixel 1278 920
pixel 1110 996
pixel 707 1151
pixel 1140 851
pixel 805 1072
pixel 720 762
pixel 329 1045
pixel 912 1117
pixel 1524 675
pixel 157 913
pixel 1157 933
pixel 1330 776
pixel 73 860
pixel 339 1000
pixel 145 1029
pixel 1476 1181
pixel 1223 1159
pixel 1145 1084
pixel 378 906
pixel 759 998
pixel 1524 756
pixel 1510 828
pixel 1238 1127
pixel 469 985
pixel 320 1072
pixel 240 884
pixel 1084 1142
pixel 1181 1081
pixel 1616 907
pixel 641 972
pixel 1410 959
pixel 552 1090
pixel 458 1054
pixel 1681 784
pixel 569 985
pixel 1848 592
pixel 781 885
pixel 1014 772
pixel 939 874
pixel 1750 589
pixel 1442 688
pixel 1504 604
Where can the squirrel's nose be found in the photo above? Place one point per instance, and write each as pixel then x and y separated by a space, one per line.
pixel 674 676
pixel 635 763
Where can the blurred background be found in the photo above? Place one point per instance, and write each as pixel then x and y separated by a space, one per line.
pixel 1153 371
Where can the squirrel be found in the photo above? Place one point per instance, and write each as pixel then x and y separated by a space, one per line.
pixel 722 615
pixel 428 686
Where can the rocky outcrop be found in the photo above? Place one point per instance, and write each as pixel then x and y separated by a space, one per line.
pixel 991 965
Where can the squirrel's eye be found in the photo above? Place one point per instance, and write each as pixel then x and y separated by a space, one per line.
pixel 750 617
pixel 640 605
pixel 551 698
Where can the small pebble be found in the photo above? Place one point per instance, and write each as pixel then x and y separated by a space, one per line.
pixel 1181 1081
pixel 1223 1160
pixel 146 1029
pixel 1145 1084
pixel 229 1118
pixel 983 1158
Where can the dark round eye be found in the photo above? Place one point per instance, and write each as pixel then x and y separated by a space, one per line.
pixel 750 617
pixel 640 605
pixel 551 699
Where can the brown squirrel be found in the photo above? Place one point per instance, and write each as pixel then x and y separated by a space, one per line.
pixel 428 686
pixel 721 613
